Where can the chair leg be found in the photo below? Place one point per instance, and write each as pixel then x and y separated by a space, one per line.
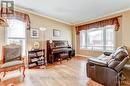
pixel 4 74
pixel 24 71
pixel 0 79
pixel 20 69
pixel 67 59
pixel 60 60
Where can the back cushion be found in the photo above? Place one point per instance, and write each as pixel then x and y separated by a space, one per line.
pixel 116 52
pixel 110 60
pixel 113 55
pixel 121 55
pixel 113 63
pixel 117 59
pixel 12 52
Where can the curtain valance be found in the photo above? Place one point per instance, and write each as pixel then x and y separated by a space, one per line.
pixel 111 21
pixel 3 22
pixel 17 15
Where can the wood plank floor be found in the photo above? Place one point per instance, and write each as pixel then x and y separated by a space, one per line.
pixel 71 73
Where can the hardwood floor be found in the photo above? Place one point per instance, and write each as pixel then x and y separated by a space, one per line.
pixel 126 73
pixel 71 73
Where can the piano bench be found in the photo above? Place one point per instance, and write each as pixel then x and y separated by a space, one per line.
pixel 63 56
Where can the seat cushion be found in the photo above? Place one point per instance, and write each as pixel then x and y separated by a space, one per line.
pixel 12 63
pixel 97 61
pixel 64 55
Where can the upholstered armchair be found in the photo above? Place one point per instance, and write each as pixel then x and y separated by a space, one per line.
pixel 11 59
pixel 107 68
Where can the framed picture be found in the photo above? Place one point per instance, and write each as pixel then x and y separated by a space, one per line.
pixel 35 33
pixel 56 33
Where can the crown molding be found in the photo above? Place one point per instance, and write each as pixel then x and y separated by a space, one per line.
pixel 39 14
pixel 117 13
pixel 72 24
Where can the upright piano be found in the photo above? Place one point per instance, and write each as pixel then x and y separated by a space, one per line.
pixel 55 47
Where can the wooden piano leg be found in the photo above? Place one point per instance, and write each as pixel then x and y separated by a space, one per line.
pixel 52 59
pixel 60 60
pixel 69 54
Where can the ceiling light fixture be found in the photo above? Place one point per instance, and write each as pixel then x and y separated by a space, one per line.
pixel 42 29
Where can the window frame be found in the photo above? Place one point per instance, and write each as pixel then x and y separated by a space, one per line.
pixel 104 40
pixel 16 38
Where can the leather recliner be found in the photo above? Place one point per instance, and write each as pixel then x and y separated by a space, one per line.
pixel 106 69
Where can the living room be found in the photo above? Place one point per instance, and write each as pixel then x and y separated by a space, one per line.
pixel 61 44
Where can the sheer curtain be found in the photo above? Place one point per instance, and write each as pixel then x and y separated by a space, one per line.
pixel 101 39
pixel 16 33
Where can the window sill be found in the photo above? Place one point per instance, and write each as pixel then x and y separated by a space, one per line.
pixel 91 50
pixel 85 49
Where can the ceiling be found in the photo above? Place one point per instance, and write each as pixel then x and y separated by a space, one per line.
pixel 73 11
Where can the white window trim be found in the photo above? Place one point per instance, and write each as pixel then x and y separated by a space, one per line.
pixel 6 39
pixel 81 48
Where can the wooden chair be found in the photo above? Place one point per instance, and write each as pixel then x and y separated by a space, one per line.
pixel 11 59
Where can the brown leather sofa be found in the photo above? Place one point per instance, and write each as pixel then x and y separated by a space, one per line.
pixel 107 68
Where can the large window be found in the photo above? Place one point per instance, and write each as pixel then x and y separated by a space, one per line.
pixel 101 39
pixel 16 33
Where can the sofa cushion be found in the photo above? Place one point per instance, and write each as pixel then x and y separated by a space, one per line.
pixel 123 48
pixel 116 52
pixel 121 55
pixel 97 61
pixel 64 55
pixel 117 59
pixel 110 60
pixel 12 63
pixel 113 63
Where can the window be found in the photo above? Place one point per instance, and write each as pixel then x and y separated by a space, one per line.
pixel 16 33
pixel 101 39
